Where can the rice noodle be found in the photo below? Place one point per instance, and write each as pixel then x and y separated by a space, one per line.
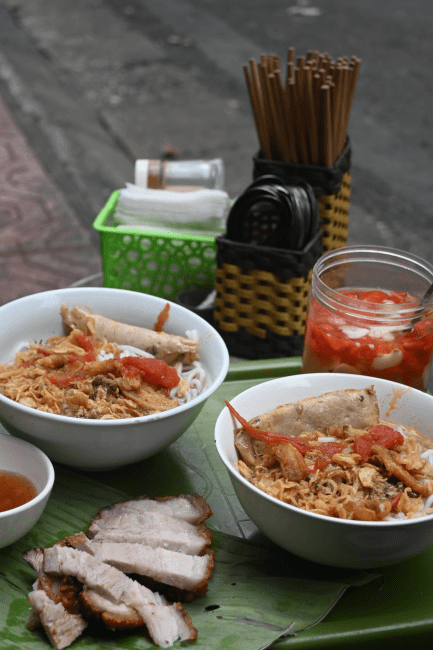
pixel 400 487
pixel 99 389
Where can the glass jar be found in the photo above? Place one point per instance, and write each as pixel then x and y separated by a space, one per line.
pixel 366 315
pixel 179 175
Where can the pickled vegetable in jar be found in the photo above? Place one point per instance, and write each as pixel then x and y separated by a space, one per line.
pixel 366 316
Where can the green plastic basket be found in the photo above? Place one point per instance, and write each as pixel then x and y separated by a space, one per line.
pixel 150 261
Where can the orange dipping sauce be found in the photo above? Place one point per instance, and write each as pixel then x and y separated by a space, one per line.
pixel 15 490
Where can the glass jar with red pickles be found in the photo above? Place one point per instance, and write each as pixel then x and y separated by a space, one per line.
pixel 366 315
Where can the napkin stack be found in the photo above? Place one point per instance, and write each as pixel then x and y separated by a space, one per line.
pixel 199 212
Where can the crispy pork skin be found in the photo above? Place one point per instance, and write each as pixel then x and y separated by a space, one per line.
pixel 116 616
pixel 60 589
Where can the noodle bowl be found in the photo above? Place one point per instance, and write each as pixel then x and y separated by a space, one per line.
pixel 345 543
pixel 100 444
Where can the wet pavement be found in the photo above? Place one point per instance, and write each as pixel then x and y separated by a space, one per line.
pixel 89 86
pixel 42 245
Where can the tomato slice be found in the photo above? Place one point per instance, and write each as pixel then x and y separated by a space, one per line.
pixel 362 446
pixel 386 436
pixel 328 449
pixel 154 371
pixel 382 435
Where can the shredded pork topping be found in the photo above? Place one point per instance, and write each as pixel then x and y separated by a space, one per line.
pixel 64 377
pixel 388 483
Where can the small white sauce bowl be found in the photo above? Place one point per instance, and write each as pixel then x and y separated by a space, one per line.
pixel 23 458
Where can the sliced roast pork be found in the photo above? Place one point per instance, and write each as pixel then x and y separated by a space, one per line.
pixel 160 534
pixel 190 508
pixel 61 627
pixel 165 623
pixel 189 572
pixel 163 544
pixel 61 600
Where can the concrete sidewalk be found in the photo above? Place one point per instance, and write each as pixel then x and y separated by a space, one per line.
pixel 87 87
pixel 43 245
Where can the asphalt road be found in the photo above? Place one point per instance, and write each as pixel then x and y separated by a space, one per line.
pixel 96 84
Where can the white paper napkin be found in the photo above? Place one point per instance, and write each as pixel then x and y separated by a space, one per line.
pixel 199 209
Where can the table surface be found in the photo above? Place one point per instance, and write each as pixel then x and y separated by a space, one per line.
pixel 396 610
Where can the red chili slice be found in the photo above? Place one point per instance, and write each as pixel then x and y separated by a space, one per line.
pixel 63 380
pixel 43 351
pixel 320 463
pixel 267 436
pixel 374 296
pixel 162 317
pixel 89 345
pixel 26 364
pixel 400 297
pixel 395 500
pixel 154 371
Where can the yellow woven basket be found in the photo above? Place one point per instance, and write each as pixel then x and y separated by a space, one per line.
pixel 334 215
pixel 262 296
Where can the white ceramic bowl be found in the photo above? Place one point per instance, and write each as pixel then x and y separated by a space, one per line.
pixel 102 444
pixel 327 540
pixel 23 458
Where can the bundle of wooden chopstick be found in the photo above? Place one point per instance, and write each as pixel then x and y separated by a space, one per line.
pixel 302 115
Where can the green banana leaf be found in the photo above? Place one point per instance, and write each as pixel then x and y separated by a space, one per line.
pixel 257 593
